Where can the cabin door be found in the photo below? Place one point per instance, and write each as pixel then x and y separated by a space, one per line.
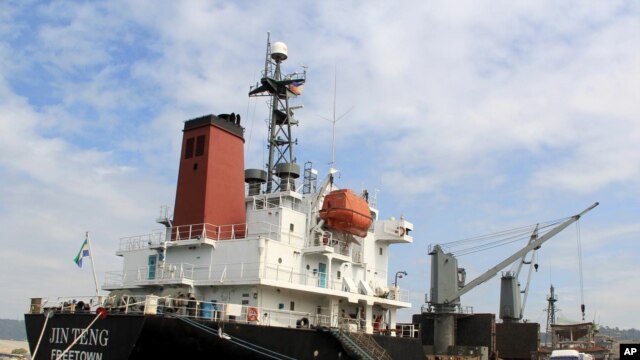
pixel 322 274
pixel 152 267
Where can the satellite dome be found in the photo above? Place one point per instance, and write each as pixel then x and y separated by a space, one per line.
pixel 279 51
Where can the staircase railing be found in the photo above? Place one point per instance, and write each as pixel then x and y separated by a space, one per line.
pixel 360 345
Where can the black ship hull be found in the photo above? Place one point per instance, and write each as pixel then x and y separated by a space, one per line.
pixel 136 337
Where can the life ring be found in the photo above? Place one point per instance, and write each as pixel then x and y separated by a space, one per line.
pixel 401 231
pixel 252 314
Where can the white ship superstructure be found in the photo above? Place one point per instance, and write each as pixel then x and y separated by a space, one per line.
pixel 277 267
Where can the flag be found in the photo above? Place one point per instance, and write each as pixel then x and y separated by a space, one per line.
pixel 84 251
pixel 297 87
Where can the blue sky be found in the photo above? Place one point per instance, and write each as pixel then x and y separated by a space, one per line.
pixel 466 117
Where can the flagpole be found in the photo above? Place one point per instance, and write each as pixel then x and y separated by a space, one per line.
pixel 93 266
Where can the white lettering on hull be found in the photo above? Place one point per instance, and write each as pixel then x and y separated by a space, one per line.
pixel 66 336
pixel 93 337
pixel 76 355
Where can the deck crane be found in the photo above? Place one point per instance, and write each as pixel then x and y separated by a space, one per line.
pixel 448 283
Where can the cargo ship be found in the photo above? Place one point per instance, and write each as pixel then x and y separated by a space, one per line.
pixel 275 263
pixel 251 263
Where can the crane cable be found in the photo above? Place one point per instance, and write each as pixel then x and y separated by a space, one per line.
pixel 485 242
pixel 582 307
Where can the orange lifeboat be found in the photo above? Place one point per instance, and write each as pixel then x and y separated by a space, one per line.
pixel 345 211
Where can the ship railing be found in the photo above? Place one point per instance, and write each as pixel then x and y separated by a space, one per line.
pixel 252 271
pixel 279 200
pixel 287 274
pixel 227 232
pixel 220 273
pixel 287 318
pixel 179 273
pixel 465 309
pixel 346 323
pixel 129 305
pixel 176 271
pixel 228 272
pixel 185 273
pixel 354 325
pixel 209 231
pixel 325 238
pixel 210 310
pixel 283 273
pixel 138 242
pixel 321 320
pixel 66 304
pixel 406 330
pixel 430 307
pixel 350 324
pixel 399 294
pixel 215 311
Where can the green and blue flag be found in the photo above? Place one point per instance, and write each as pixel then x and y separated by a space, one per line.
pixel 84 251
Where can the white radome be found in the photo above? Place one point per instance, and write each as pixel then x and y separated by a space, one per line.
pixel 279 51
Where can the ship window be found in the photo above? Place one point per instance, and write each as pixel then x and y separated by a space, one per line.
pixel 380 251
pixel 200 145
pixel 292 306
pixel 308 266
pixel 188 151
pixel 245 302
pixel 291 227
pixel 245 295
pixel 280 306
pixel 279 260
pixel 339 275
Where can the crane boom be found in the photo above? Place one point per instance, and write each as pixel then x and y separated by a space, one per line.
pixel 532 245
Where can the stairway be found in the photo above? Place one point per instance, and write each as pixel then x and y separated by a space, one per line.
pixel 360 345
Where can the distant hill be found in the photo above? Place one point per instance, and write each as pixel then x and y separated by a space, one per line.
pixel 12 330
pixel 621 334
pixel 632 334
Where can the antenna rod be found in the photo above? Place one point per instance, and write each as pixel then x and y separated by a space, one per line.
pixel 266 62
pixel 333 129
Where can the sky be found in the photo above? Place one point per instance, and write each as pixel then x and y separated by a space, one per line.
pixel 465 117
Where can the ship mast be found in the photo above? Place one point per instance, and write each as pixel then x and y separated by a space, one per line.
pixel 280 88
pixel 551 315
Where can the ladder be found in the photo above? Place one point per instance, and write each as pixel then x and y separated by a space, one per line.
pixel 360 345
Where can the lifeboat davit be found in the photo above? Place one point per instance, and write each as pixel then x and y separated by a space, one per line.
pixel 345 211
